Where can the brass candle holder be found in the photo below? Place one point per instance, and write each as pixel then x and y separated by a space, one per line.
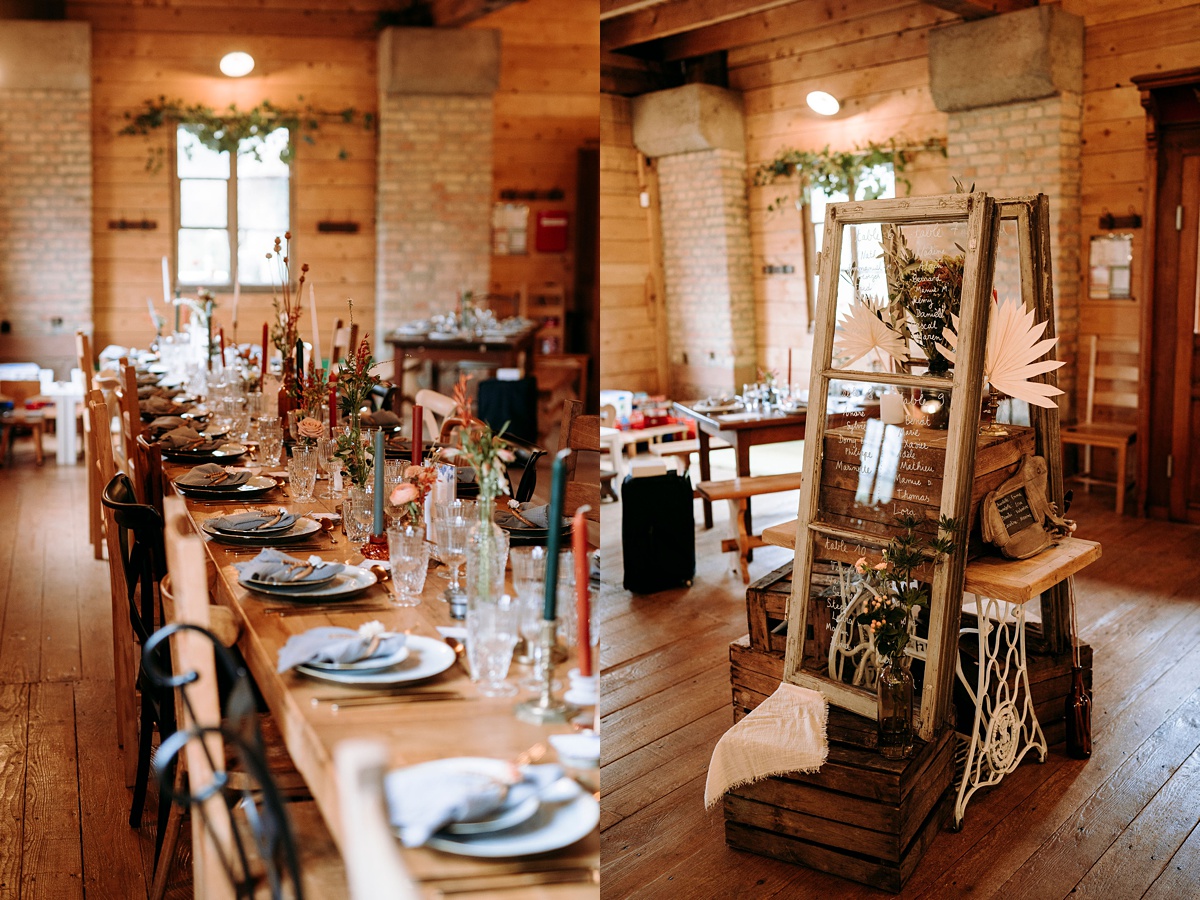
pixel 546 708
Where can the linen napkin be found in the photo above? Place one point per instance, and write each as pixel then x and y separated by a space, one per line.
pixel 538 517
pixel 330 644
pixel 786 733
pixel 422 799
pixel 383 417
pixel 157 406
pixel 153 390
pixel 252 521
pixel 276 567
pixel 186 438
pixel 163 424
pixel 208 475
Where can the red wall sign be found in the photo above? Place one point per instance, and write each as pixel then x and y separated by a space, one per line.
pixel 551 235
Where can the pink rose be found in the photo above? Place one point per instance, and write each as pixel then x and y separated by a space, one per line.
pixel 881 565
pixel 404 493
pixel 413 471
pixel 310 428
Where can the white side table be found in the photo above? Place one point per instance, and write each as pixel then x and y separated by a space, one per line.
pixel 1005 727
pixel 67 396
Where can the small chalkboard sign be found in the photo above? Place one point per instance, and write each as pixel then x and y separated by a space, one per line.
pixel 1014 511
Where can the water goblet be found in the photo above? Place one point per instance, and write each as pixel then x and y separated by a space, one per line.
pixel 302 473
pixel 409 556
pixel 492 628
pixel 326 448
pixel 358 514
pixel 270 440
pixel 454 521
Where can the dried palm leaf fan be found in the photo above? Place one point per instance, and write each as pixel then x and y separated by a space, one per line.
pixel 1079 700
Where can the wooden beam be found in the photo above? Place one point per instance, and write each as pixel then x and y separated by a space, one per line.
pixel 612 8
pixel 629 76
pixel 981 9
pixel 457 13
pixel 675 17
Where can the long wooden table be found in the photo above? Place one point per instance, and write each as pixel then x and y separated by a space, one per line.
pixel 414 732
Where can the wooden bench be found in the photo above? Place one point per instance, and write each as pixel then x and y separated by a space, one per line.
pixel 683 450
pixel 736 491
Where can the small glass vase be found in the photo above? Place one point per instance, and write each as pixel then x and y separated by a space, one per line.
pixel 894 691
pixel 487 555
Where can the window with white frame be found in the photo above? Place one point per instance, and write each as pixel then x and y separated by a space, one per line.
pixel 230 210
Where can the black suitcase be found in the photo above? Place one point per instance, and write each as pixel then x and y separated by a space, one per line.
pixel 658 533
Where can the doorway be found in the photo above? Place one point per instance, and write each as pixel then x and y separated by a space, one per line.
pixel 1169 482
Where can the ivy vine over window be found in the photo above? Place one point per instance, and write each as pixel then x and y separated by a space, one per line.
pixel 223 131
pixel 841 171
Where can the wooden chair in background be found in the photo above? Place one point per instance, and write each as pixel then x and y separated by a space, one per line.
pixel 130 415
pixel 21 422
pixel 581 434
pixel 1114 436
pixel 435 408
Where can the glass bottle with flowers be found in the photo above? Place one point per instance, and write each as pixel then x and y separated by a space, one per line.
pixel 355 381
pixel 311 410
pixel 487 453
pixel 285 330
pixel 200 322
pixel 894 594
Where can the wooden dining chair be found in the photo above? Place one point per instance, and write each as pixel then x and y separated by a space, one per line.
pixel 124 656
pixel 581 434
pixel 130 415
pixel 149 470
pixel 87 365
pixel 435 408
pixel 244 831
pixel 374 867
pixel 138 553
pixel 22 422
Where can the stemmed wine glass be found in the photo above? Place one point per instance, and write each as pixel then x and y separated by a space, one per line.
pixel 326 448
pixel 454 521
pixel 529 579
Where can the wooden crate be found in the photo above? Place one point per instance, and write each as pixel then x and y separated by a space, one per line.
pixel 917 487
pixel 861 817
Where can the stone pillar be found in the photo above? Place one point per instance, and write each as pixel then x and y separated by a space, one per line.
pixel 696 134
pixel 1012 86
pixel 434 200
pixel 45 177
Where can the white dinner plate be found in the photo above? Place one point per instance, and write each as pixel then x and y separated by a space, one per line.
pixel 350 580
pixel 255 487
pixel 374 664
pixel 426 657
pixel 555 825
pixel 301 528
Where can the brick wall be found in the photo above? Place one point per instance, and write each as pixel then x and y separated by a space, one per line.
pixel 45 210
pixel 434 203
pixel 1027 148
pixel 708 272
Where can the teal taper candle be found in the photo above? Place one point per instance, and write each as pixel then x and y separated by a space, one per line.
pixel 558 488
pixel 378 528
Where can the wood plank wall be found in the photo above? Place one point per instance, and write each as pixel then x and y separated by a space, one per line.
pixel 872 54
pixel 547 107
pixel 627 339
pixel 1123 39
pixel 323 50
pixel 316 50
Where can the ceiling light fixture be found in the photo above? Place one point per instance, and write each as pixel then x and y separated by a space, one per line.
pixel 237 64
pixel 822 103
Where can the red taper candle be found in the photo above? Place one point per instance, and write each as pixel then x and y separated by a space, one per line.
pixel 221 334
pixel 579 549
pixel 417 442
pixel 266 333
pixel 333 403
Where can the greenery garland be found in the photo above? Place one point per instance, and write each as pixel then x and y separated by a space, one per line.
pixel 841 171
pixel 224 131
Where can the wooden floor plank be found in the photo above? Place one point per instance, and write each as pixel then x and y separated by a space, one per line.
pixel 1142 851
pixel 51 861
pixel 20 644
pixel 60 604
pixel 1181 877
pixel 112 851
pixel 14 741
